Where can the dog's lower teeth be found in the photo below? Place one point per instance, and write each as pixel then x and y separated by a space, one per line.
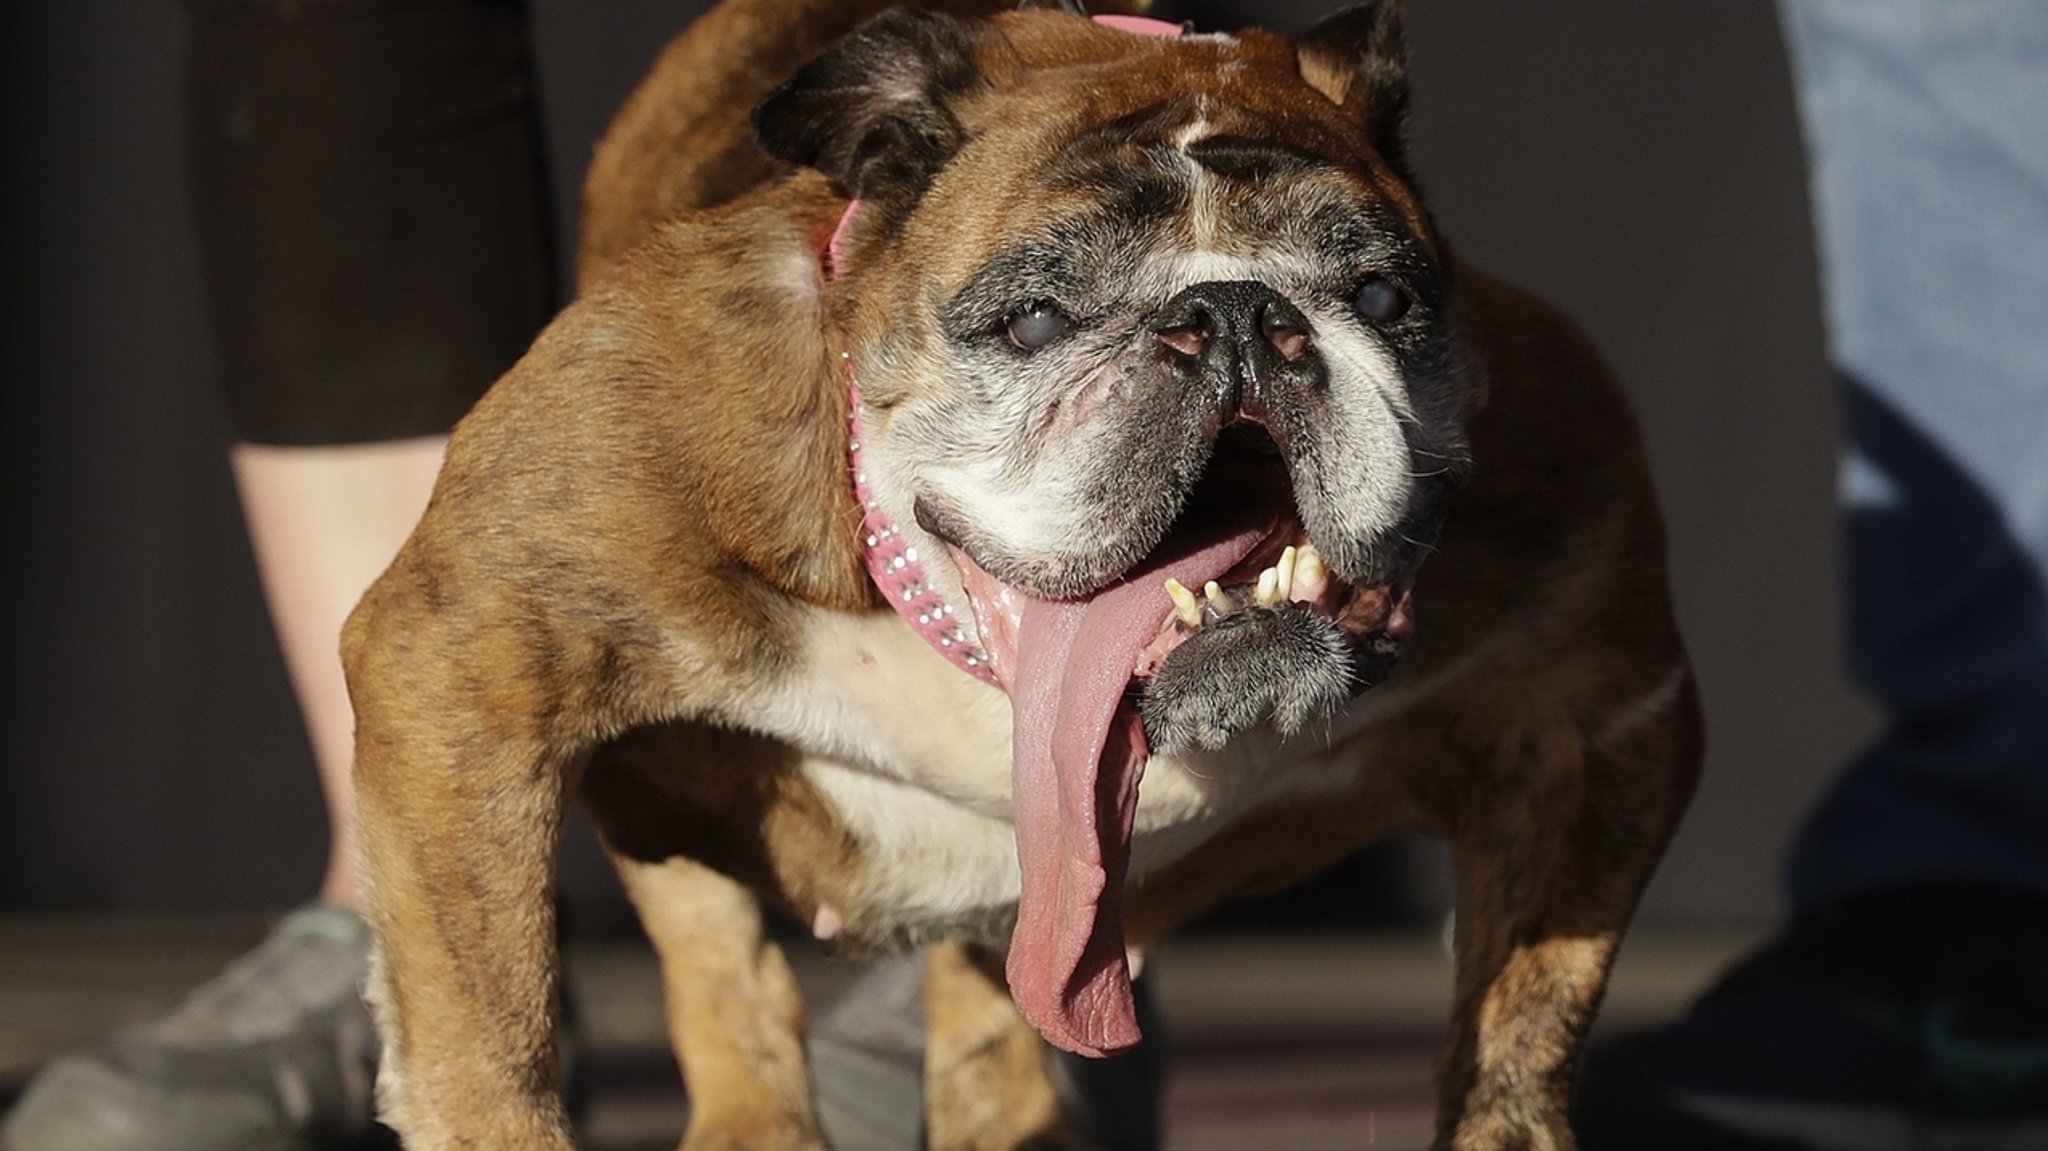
pixel 1277 583
pixel 1218 601
pixel 1298 574
pixel 1311 578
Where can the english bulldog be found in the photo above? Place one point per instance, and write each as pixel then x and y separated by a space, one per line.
pixel 1057 478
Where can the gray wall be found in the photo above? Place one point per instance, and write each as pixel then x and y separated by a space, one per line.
pixel 1639 163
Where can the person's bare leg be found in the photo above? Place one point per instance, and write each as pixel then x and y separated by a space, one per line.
pixel 325 521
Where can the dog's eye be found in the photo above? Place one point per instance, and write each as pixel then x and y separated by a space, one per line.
pixel 1379 300
pixel 1037 324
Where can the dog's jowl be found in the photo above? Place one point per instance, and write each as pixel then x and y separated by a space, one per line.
pixel 1010 482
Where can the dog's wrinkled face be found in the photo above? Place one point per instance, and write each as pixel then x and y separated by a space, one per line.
pixel 1150 340
pixel 1178 295
pixel 1114 287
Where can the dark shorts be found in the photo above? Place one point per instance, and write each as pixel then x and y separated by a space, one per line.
pixel 372 207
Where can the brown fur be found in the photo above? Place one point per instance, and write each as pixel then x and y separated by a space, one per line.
pixel 985 1081
pixel 735 1014
pixel 616 566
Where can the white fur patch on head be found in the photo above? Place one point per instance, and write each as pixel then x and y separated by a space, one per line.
pixel 1204 192
pixel 1193 130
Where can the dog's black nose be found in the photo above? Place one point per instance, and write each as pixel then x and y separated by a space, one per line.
pixel 1234 313
pixel 1237 335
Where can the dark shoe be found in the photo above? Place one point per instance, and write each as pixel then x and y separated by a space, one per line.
pixel 277 1053
pixel 1901 1020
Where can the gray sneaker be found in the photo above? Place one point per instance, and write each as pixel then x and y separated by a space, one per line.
pixel 277 1053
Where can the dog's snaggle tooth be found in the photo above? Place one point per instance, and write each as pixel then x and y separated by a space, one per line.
pixel 1134 957
pixel 1185 605
pixel 1288 558
pixel 826 924
pixel 1268 591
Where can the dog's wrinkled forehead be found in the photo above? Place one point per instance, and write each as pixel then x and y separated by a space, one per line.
pixel 1183 189
pixel 1194 126
pixel 1229 166
pixel 1149 161
pixel 985 126
pixel 1195 150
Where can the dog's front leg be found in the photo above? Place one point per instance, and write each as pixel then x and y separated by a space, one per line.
pixel 735 1013
pixel 458 808
pixel 472 708
pixel 1552 847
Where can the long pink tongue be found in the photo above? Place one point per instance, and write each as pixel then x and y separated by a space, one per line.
pixel 1076 789
pixel 1079 750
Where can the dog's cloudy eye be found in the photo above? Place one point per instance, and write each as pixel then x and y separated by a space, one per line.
pixel 1380 301
pixel 1037 324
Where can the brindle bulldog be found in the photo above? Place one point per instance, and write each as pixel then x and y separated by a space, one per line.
pixel 988 514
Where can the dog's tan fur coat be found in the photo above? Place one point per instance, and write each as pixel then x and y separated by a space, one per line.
pixel 637 585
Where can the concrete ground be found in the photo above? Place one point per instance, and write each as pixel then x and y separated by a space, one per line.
pixel 1287 1043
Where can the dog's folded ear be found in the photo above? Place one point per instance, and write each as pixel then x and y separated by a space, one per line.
pixel 874 113
pixel 1359 58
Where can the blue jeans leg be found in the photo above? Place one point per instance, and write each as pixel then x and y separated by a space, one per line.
pixel 1927 133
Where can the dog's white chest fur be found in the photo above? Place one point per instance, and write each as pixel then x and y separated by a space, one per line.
pixel 914 758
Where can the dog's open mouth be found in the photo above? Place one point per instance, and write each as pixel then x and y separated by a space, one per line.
pixel 1074 667
pixel 1238 545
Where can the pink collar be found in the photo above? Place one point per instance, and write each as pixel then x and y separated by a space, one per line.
pixel 892 561
pixel 898 571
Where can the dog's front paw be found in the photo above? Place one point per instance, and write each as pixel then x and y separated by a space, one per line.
pixel 1281 663
pixel 749 1129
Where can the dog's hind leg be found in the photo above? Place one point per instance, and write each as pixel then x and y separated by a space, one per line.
pixel 985 1076
pixel 1552 845
pixel 735 1013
